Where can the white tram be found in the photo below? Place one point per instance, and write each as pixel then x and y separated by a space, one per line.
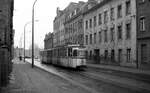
pixel 68 56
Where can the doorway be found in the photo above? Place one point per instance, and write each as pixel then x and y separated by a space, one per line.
pixel 97 55
pixel 119 55
pixel 112 55
pixel 143 53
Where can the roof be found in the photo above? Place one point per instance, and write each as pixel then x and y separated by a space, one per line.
pixel 102 3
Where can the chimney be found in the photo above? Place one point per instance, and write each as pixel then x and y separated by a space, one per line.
pixel 58 10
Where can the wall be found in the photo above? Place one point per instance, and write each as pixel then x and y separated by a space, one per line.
pixel 143 37
pixel 123 44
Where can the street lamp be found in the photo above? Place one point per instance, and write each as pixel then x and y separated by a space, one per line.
pixel 33 33
pixel 25 34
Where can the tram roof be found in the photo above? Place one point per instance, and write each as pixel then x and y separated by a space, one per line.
pixel 69 45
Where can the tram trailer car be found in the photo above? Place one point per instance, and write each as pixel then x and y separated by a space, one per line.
pixel 72 56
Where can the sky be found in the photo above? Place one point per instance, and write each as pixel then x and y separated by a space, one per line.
pixel 45 12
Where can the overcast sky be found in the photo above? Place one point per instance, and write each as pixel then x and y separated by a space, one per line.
pixel 45 11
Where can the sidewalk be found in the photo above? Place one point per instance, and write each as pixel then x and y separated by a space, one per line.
pixel 25 79
pixel 120 68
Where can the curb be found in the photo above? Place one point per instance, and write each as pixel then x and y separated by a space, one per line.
pixel 141 72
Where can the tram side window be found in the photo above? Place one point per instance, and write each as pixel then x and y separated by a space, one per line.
pixel 64 52
pixel 75 53
pixel 50 53
pixel 69 52
pixel 55 52
pixel 60 52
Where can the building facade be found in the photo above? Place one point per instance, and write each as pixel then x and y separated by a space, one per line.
pixel 48 41
pixel 143 32
pixel 114 31
pixel 110 32
pixel 74 33
pixel 58 29
pixel 68 25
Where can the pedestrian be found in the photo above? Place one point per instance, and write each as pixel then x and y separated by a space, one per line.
pixel 20 58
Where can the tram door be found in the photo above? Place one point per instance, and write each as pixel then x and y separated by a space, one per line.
pixel 143 53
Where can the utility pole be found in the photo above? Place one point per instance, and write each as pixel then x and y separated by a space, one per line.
pixel 20 44
pixel 33 33
pixel 25 35
pixel 24 38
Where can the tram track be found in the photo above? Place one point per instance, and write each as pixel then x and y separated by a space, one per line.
pixel 92 81
pixel 138 77
pixel 95 82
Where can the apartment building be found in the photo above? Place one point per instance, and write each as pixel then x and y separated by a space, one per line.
pixel 68 25
pixel 58 29
pixel 114 31
pixel 143 32
pixel 74 25
pixel 110 32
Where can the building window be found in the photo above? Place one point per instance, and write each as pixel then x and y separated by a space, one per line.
pixel 112 34
pixel 112 55
pixel 95 38
pixel 71 28
pixel 106 54
pixel 128 29
pixel 100 19
pixel 142 1
pixel 105 34
pixel 90 23
pixel 74 27
pixel 119 11
pixel 144 53
pixel 86 39
pixel 120 32
pixel 128 55
pixel 86 24
pixel 142 24
pixel 128 7
pixel 80 24
pixel 105 17
pixel 90 38
pixel 90 54
pixel 77 25
pixel 100 37
pixel 112 14
pixel 95 21
pixel 119 55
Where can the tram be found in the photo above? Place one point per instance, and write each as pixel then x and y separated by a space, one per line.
pixel 72 56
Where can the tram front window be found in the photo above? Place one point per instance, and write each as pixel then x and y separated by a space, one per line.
pixel 81 53
pixel 75 53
